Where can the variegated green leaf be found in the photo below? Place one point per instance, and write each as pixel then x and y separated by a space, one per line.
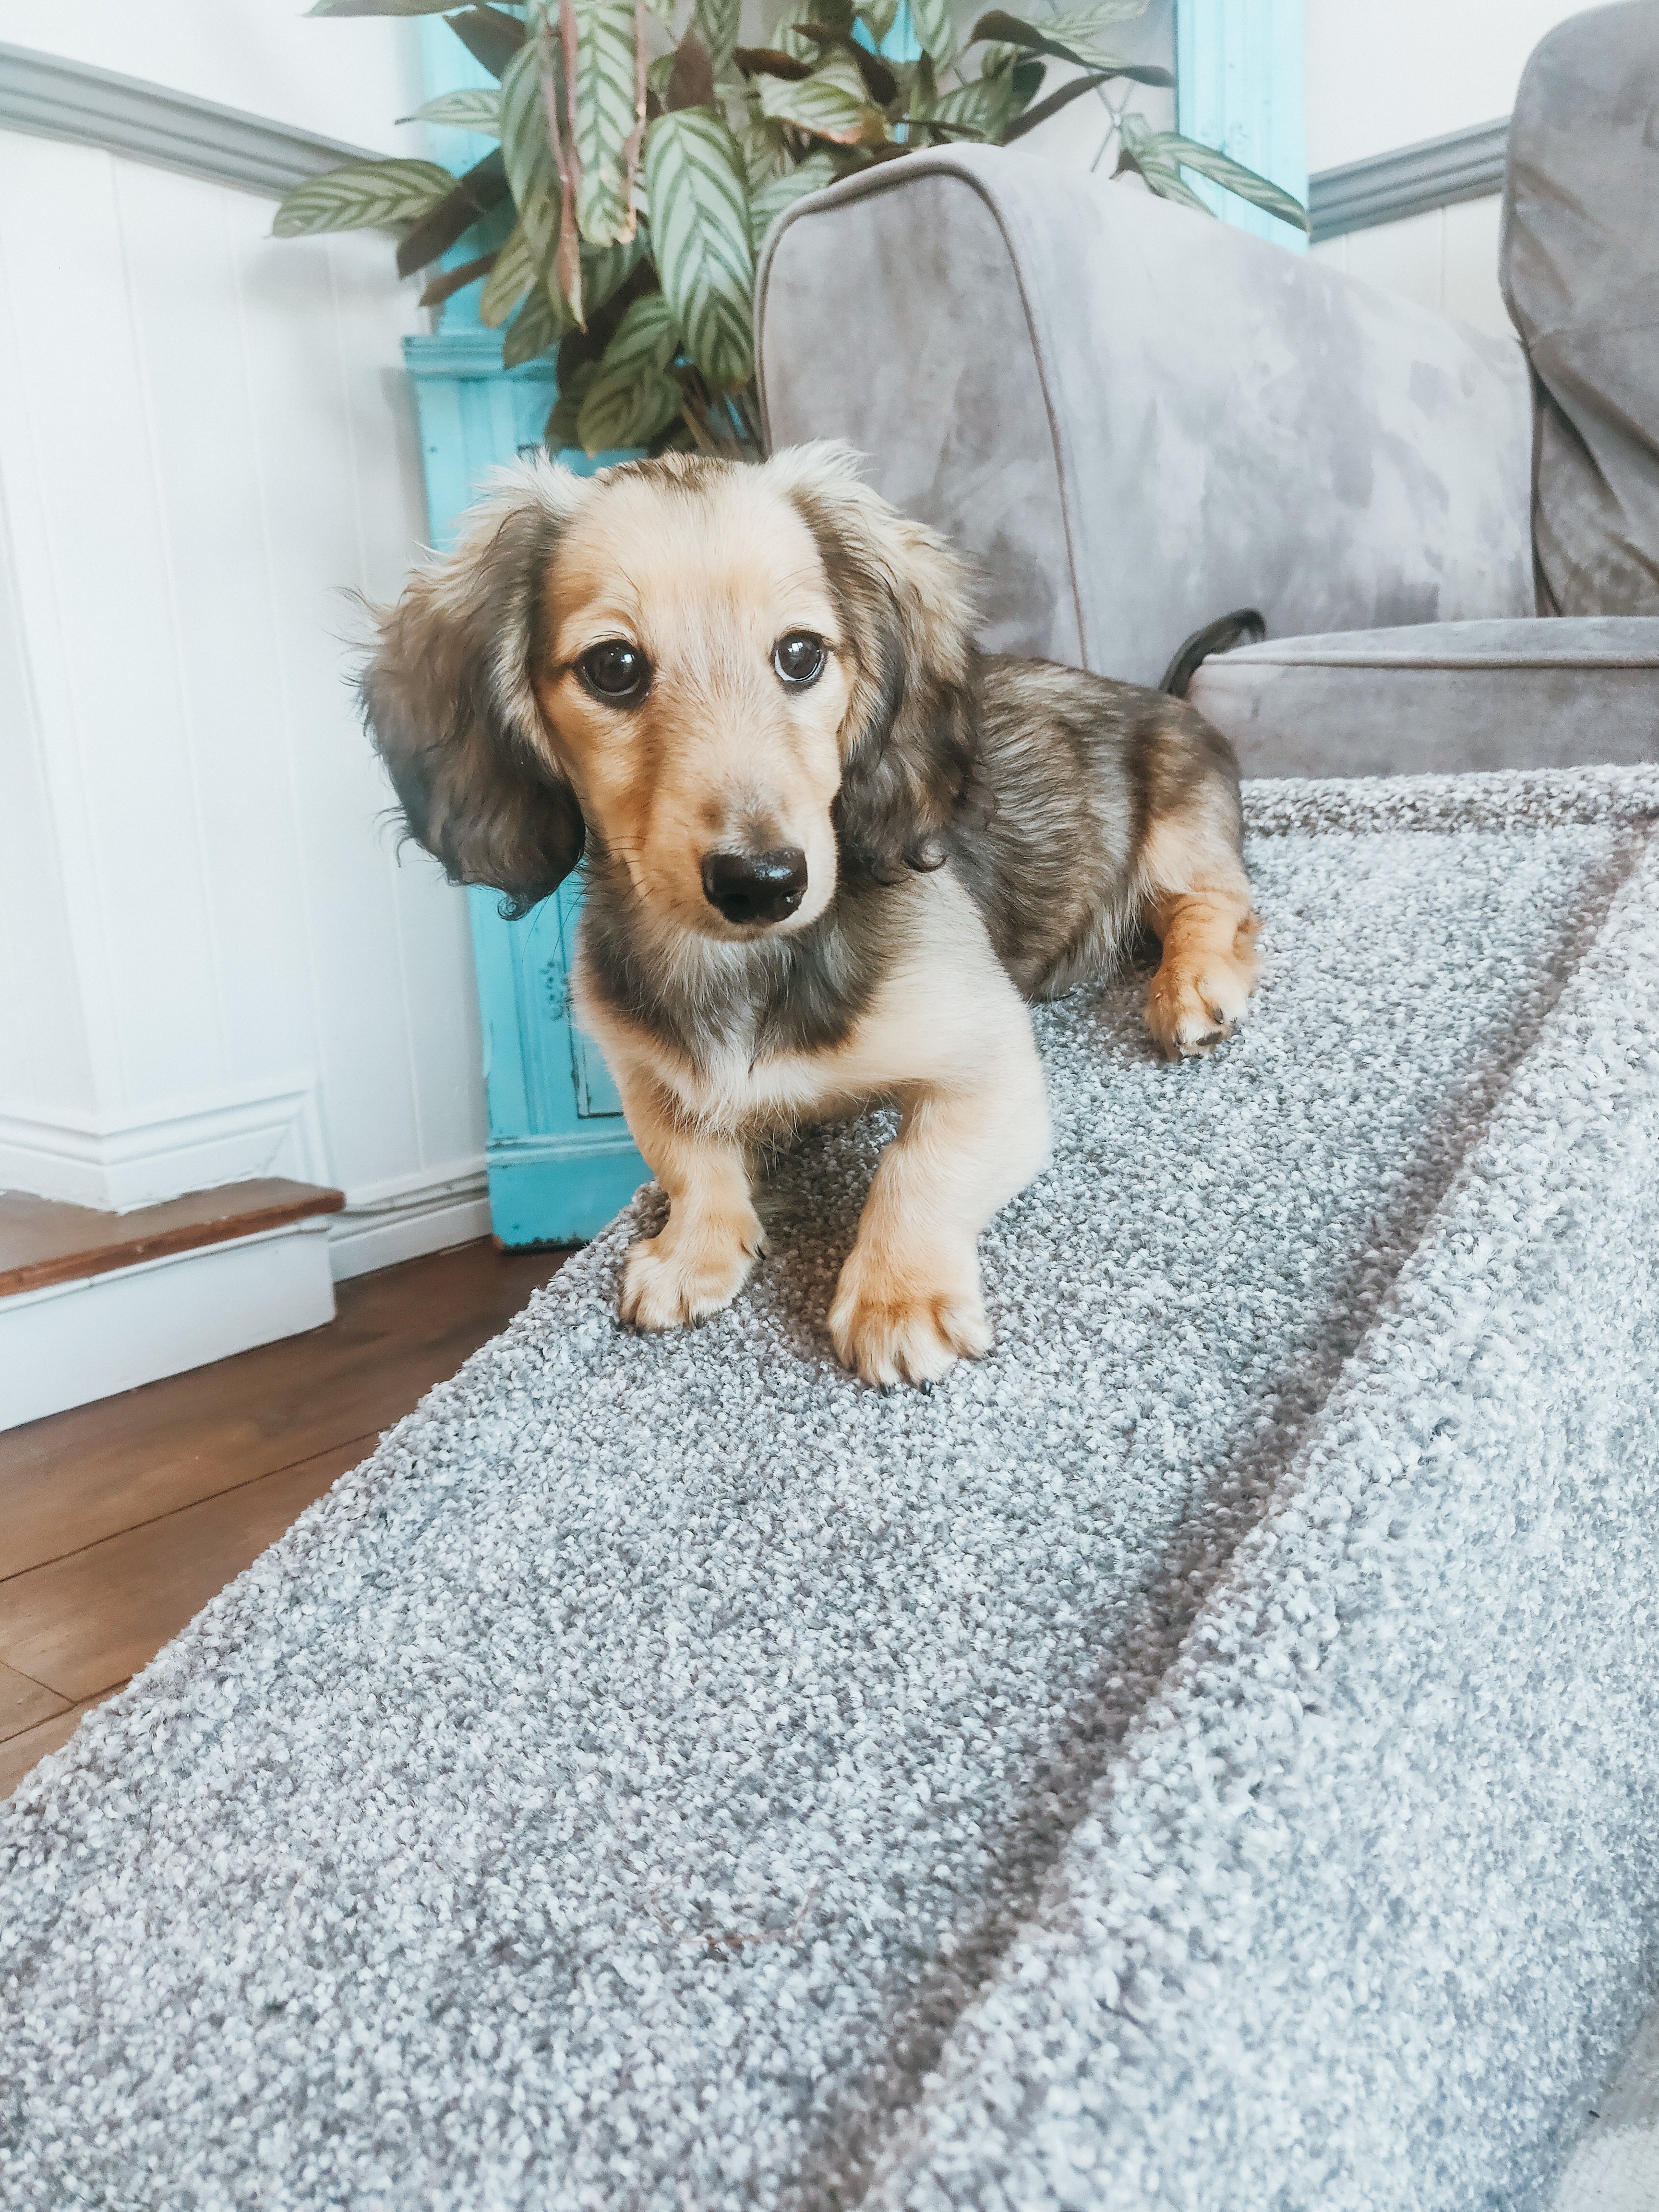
pixel 1140 151
pixel 765 155
pixel 622 409
pixel 561 429
pixel 514 272
pixel 380 7
pixel 658 74
pixel 700 234
pixel 983 107
pixel 610 118
pixel 361 195
pixel 878 17
pixel 529 157
pixel 648 338
pixel 1082 29
pixel 931 21
pixel 1083 26
pixel 832 103
pixel 537 326
pixel 606 267
pixel 766 203
pixel 717 22
pixel 1221 169
pixel 786 36
pixel 478 108
pixel 1073 37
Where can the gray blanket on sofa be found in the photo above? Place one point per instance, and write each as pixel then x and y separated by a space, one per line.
pixel 1206 1754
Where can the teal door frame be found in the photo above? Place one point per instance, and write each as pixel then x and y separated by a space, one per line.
pixel 560 1159
pixel 559 1156
pixel 1239 87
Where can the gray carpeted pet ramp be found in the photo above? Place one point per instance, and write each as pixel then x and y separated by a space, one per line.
pixel 1205 1754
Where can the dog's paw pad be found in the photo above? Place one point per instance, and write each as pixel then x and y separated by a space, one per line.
pixel 907 1338
pixel 1188 1013
pixel 666 1290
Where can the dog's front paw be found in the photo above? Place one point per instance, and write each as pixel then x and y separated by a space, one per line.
pixel 1193 1005
pixel 668 1281
pixel 890 1328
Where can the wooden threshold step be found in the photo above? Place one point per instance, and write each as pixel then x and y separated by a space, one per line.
pixel 44 1240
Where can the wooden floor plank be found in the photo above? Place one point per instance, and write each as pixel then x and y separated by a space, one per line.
pixel 21 1755
pixel 24 1704
pixel 101 1613
pixel 78 1477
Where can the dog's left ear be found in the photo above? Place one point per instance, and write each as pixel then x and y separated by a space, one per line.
pixel 449 697
pixel 911 744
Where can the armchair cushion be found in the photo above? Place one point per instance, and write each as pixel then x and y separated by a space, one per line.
pixel 1580 266
pixel 1137 417
pixel 1434 697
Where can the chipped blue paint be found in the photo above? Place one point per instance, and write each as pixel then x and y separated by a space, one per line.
pixel 559 1156
pixel 1239 86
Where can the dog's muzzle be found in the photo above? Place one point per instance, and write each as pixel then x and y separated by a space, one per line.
pixel 755 887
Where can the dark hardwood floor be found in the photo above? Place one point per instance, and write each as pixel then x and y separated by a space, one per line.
pixel 120 1521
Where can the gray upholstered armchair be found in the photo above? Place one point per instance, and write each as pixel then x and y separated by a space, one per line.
pixel 1139 419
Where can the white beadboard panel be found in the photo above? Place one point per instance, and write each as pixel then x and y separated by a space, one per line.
pixel 1468 279
pixel 116 744
pixel 342 510
pixel 434 943
pixel 307 449
pixel 1400 257
pixel 348 80
pixel 45 1067
pixel 182 240
pixel 207 445
pixel 1446 258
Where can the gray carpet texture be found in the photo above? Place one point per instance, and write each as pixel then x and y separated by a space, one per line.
pixel 1205 1754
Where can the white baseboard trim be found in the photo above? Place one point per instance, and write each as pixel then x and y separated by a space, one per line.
pixel 196 1145
pixel 73 1342
pixel 407 1216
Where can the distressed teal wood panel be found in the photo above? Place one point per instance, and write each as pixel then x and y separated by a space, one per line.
pixel 560 1159
pixel 1239 86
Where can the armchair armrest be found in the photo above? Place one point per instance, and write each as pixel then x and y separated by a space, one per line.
pixel 1137 418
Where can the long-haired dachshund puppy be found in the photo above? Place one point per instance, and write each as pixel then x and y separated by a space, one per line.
pixel 831 848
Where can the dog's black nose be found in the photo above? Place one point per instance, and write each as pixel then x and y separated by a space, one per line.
pixel 756 886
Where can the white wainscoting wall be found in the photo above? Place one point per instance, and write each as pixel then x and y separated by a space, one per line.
pixel 213 963
pixel 1381 78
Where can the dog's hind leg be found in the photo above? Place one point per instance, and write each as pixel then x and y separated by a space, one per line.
pixel 701 1257
pixel 1197 899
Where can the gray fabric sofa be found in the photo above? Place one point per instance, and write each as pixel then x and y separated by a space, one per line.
pixel 1138 419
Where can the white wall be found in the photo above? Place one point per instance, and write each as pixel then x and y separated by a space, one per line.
pixel 1446 258
pixel 348 79
pixel 212 964
pixel 1380 78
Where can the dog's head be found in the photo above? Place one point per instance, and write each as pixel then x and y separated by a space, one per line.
pixel 732 681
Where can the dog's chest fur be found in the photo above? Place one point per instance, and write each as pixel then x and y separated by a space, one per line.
pixel 931 1003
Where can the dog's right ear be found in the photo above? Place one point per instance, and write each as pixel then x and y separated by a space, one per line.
pixel 449 700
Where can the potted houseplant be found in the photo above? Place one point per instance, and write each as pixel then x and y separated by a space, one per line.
pixel 644 151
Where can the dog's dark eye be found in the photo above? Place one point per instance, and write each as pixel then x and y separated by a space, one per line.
pixel 614 672
pixel 799 657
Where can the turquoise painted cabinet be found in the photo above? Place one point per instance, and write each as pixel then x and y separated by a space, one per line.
pixel 560 1159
